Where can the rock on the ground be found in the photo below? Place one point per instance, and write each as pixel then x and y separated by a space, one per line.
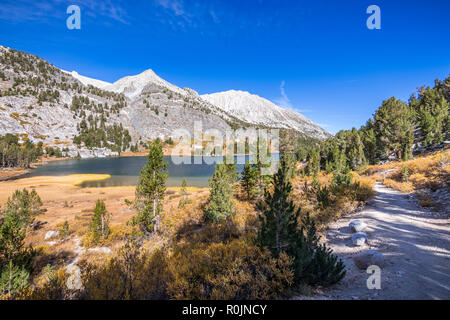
pixel 357 225
pixel 101 250
pixel 74 280
pixel 368 258
pixel 51 234
pixel 359 238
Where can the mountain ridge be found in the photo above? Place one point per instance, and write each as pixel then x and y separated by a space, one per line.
pixel 267 113
pixel 40 102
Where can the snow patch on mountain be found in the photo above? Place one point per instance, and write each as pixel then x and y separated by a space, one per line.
pixel 88 81
pixel 132 86
pixel 260 111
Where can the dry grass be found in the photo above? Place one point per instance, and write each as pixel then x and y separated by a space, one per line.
pixel 343 199
pixel 429 171
pixel 406 187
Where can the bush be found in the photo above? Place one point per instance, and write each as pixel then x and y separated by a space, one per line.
pixel 323 197
pixel 234 271
pixel 405 187
pixel 132 274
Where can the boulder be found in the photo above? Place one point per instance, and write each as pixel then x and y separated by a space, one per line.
pixel 368 258
pixel 357 225
pixel 74 280
pixel 51 234
pixel 359 239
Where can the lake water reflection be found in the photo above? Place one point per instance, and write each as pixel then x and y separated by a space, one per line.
pixel 124 171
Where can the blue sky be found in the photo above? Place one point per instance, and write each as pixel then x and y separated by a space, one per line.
pixel 317 56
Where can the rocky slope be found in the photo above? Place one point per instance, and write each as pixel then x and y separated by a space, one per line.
pixel 38 102
pixel 85 116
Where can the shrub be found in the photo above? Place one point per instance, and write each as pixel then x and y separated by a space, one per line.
pixel 235 270
pixel 405 187
pixel 64 231
pixel 132 274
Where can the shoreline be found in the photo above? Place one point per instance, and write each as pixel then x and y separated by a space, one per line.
pixel 9 174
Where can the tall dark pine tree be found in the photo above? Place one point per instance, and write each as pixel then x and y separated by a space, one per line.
pixel 151 188
pixel 279 217
pixel 281 231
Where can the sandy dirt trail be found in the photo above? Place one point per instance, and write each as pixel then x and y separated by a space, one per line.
pixel 416 245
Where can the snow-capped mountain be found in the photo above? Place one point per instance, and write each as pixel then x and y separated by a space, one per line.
pixel 259 111
pixel 132 86
pixel 243 106
pixel 88 81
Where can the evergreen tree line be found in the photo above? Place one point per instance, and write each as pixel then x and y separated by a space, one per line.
pixel 96 134
pixel 13 154
pixel 393 131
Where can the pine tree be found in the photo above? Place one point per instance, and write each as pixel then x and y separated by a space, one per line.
pixel 183 189
pixel 231 171
pixel 13 278
pixel 151 188
pixel 220 203
pixel 280 231
pixel 184 200
pixel 290 162
pixel 313 159
pixel 314 263
pixel 65 230
pixel 279 216
pixel 341 173
pixel 99 226
pixel 394 128
pixel 20 208
pixel 12 236
pixel 259 166
pixel 249 181
pixel 431 109
pixel 370 142
pixel 356 150
pixel 25 204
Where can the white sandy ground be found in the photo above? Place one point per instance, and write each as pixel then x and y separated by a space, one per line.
pixel 415 243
